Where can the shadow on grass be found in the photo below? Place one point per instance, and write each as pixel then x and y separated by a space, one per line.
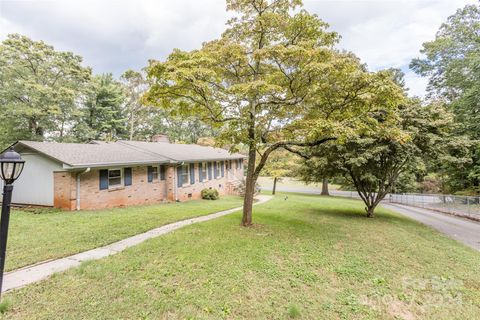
pixel 346 211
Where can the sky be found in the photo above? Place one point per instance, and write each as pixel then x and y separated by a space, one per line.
pixel 117 35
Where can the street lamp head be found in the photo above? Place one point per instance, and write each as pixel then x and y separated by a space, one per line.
pixel 11 166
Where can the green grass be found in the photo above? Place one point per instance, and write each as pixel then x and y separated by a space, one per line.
pixel 307 257
pixel 44 234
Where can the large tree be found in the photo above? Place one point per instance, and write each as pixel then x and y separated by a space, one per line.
pixel 405 141
pixel 135 85
pixel 452 64
pixel 273 80
pixel 39 89
pixel 102 113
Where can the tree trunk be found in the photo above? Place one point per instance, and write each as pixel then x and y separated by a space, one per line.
pixel 274 185
pixel 370 211
pixel 132 125
pixel 249 188
pixel 325 187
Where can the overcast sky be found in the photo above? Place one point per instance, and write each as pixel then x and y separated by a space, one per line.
pixel 116 35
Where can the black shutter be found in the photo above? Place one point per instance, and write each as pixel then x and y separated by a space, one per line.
pixel 103 179
pixel 127 173
pixel 192 173
pixel 223 168
pixel 179 177
pixel 162 172
pixel 150 173
pixel 200 174
pixel 215 169
pixel 209 171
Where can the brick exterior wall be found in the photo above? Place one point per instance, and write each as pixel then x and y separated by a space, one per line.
pixel 139 193
pixel 64 190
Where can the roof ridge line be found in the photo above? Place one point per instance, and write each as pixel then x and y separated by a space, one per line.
pixel 126 144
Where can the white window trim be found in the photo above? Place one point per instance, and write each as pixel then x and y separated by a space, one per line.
pixel 122 181
pixel 187 165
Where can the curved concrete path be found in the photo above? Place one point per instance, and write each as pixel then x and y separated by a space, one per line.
pixel 30 274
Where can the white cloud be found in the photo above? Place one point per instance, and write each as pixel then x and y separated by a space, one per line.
pixel 115 35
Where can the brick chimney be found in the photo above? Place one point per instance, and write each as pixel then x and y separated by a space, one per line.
pixel 160 138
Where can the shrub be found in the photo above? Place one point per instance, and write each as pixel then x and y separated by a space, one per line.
pixel 210 194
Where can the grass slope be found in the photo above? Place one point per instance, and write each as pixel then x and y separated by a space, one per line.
pixel 47 234
pixel 308 257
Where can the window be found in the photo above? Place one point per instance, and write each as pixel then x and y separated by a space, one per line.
pixel 155 173
pixel 185 173
pixel 114 178
pixel 203 170
pixel 218 169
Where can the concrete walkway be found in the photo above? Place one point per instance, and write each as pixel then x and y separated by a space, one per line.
pixel 27 275
pixel 463 230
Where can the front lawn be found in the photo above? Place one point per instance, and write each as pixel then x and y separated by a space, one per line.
pixel 43 234
pixel 307 257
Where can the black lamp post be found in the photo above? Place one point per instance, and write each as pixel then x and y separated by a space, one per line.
pixel 11 166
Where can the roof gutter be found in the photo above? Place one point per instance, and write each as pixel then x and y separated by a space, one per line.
pixel 78 188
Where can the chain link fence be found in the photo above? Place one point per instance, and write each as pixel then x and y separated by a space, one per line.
pixel 447 203
pixel 457 205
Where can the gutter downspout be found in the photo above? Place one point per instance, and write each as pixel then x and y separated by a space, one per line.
pixel 78 187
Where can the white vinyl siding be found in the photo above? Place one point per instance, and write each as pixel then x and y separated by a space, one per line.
pixel 35 184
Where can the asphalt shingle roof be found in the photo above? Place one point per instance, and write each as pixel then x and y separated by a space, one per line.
pixel 99 153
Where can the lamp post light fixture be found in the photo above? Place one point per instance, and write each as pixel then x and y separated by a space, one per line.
pixel 11 166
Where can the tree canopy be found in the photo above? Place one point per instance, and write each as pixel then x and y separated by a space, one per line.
pixel 273 80
pixel 39 88
pixel 373 162
pixel 452 64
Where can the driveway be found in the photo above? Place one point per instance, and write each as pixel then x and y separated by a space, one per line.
pixel 463 230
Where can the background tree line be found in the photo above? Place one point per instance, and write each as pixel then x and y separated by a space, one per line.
pixel 49 95
pixel 441 152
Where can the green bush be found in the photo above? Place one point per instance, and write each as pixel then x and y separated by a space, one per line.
pixel 210 194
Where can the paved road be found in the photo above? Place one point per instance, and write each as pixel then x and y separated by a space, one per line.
pixel 463 230
pixel 460 229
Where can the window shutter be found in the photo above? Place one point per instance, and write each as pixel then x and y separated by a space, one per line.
pixel 215 169
pixel 179 176
pixel 222 164
pixel 209 171
pixel 240 162
pixel 162 172
pixel 192 173
pixel 127 173
pixel 103 179
pixel 200 173
pixel 237 163
pixel 150 173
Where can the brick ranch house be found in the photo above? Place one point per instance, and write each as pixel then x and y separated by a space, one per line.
pixel 73 176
